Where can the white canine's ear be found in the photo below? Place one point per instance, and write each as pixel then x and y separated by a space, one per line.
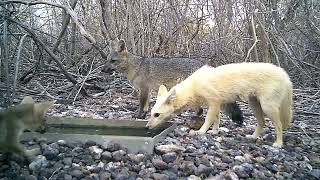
pixel 27 100
pixel 172 96
pixel 162 90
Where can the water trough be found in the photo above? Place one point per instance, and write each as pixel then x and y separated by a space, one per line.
pixel 131 134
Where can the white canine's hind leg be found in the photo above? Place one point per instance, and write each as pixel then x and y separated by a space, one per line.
pixel 258 113
pixel 272 111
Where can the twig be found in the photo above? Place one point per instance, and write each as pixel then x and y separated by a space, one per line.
pixel 83 81
pixel 308 113
pixel 254 38
pixel 17 62
pixel 54 172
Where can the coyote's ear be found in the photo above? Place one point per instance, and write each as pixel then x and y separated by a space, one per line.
pixel 162 90
pixel 122 46
pixel 40 109
pixel 27 100
pixel 172 96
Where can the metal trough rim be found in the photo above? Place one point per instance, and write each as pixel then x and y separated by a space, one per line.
pixel 134 144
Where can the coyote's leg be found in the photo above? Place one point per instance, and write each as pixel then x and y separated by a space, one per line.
pixel 144 102
pixel 199 111
pixel 234 112
pixel 17 149
pixel 213 117
pixel 12 143
pixel 272 110
pixel 258 113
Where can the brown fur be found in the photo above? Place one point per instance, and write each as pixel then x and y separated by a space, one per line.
pixel 14 120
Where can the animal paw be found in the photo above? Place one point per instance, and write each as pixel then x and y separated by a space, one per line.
pixel 33 152
pixel 193 132
pixel 251 137
pixel 277 145
pixel 213 131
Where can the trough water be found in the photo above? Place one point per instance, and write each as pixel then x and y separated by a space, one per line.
pixel 115 131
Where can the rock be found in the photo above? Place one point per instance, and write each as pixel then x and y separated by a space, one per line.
pixel 96 152
pixel 118 155
pixel 162 149
pixel 136 158
pixel 240 159
pixel 159 176
pixel 67 161
pixel 270 166
pixel 38 163
pixel 259 159
pixel 31 177
pixel 224 129
pixel 146 173
pixel 240 171
pixel 315 173
pixel 271 149
pixel 94 177
pixel 216 177
pixel 111 146
pixel 77 174
pixel 3 157
pixel 106 155
pixel 248 167
pixel 159 164
pixel 182 131
pixel 226 159
pixel 190 149
pixel 231 176
pixel 170 174
pixel 256 174
pixel 169 157
pixel 188 168
pixel 104 175
pixel 61 142
pixel 50 152
pixel 85 159
pixel 203 170
pixel 47 172
pixel 89 143
pixel 77 150
pixel 100 166
pixel 67 177
pixel 193 177
pixel 85 172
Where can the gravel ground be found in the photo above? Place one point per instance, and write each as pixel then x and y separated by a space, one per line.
pixel 228 155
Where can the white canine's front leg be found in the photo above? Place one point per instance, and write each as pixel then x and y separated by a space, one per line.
pixel 212 117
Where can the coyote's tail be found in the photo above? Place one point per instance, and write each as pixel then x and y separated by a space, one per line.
pixel 286 109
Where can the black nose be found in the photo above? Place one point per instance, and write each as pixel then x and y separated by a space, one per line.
pixel 41 130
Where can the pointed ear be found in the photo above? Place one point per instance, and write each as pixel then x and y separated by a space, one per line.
pixel 40 109
pixel 172 96
pixel 162 90
pixel 113 44
pixel 27 100
pixel 122 46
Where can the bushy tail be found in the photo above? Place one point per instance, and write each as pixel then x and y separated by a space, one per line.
pixel 286 109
